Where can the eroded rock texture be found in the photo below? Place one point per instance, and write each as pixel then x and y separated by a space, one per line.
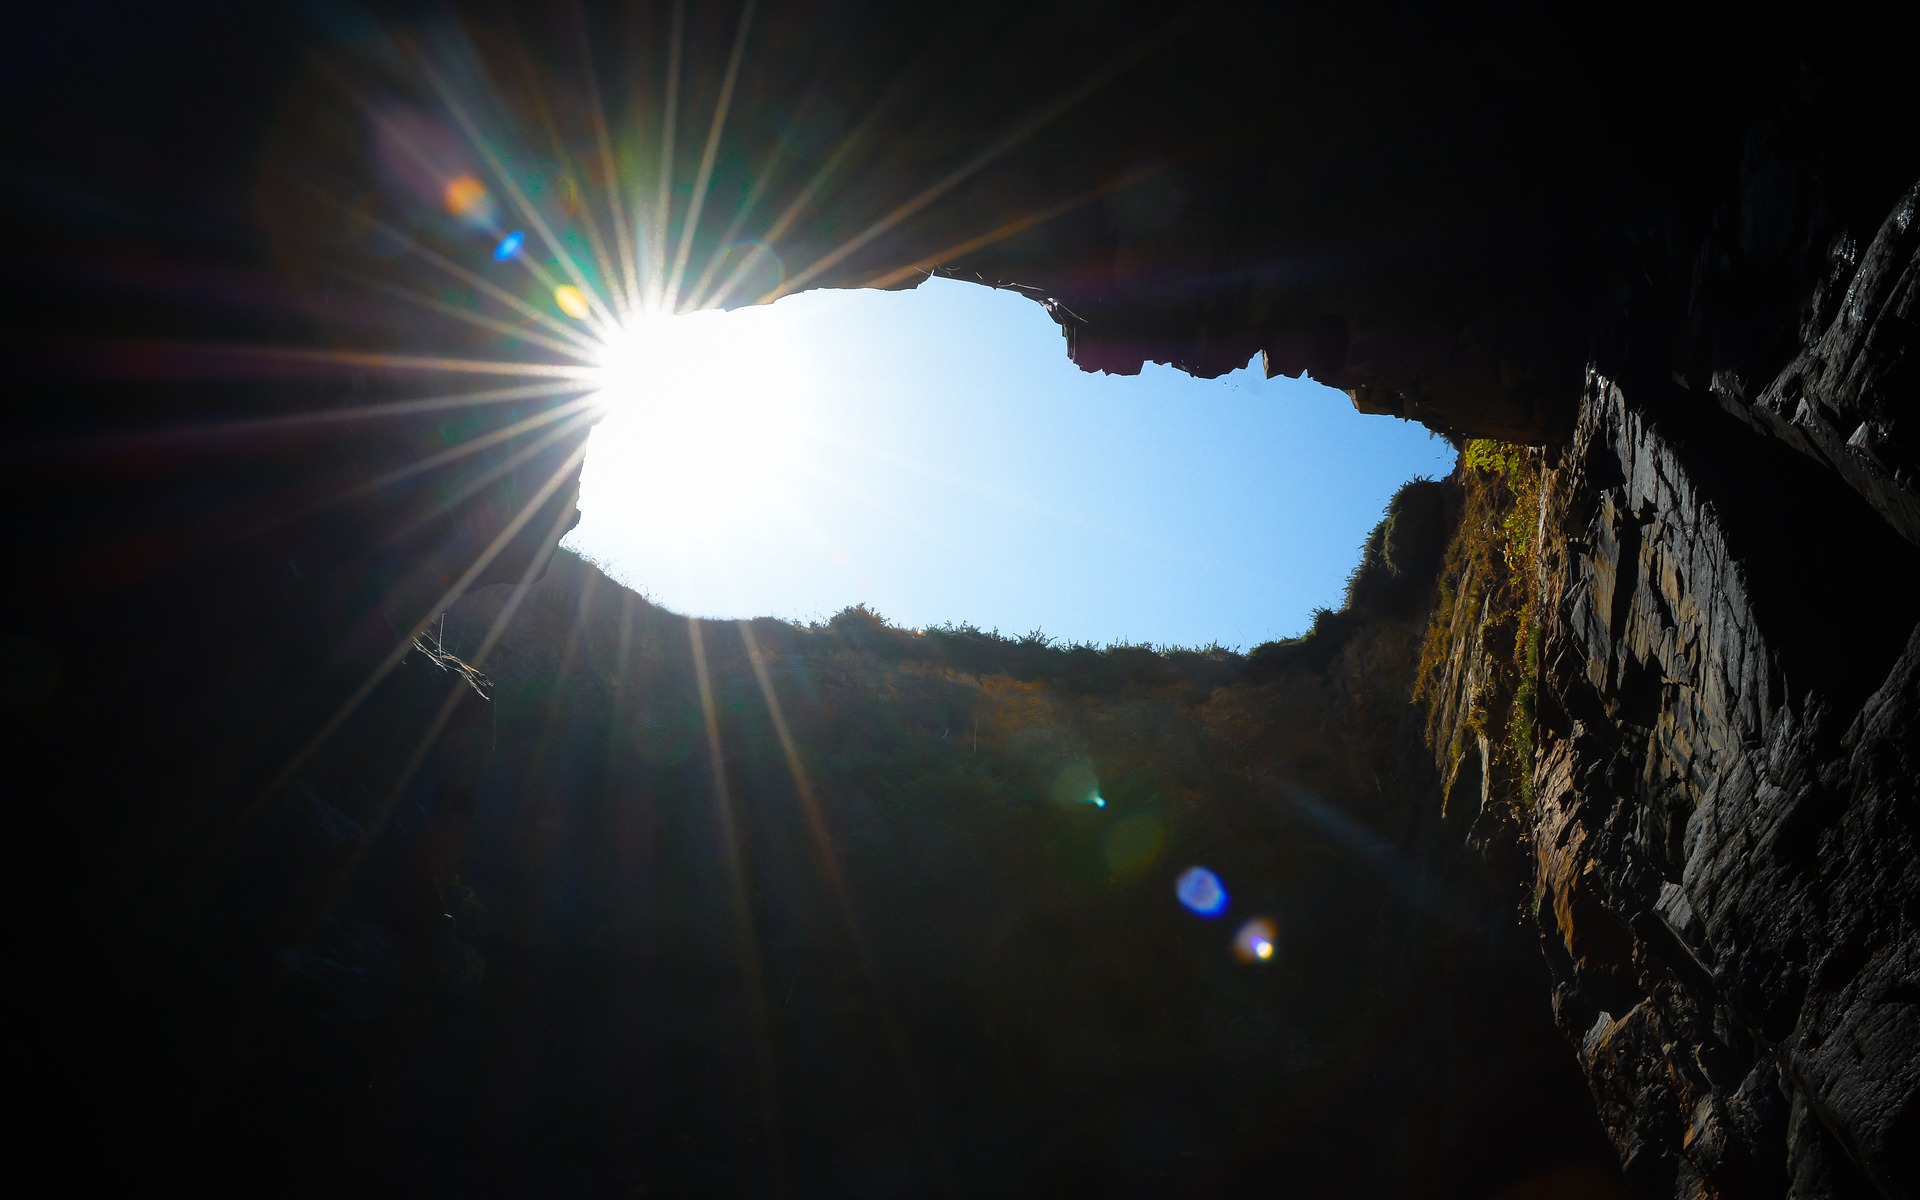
pixel 1718 780
pixel 1725 818
pixel 1847 398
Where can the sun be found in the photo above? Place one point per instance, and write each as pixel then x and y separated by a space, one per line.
pixel 701 421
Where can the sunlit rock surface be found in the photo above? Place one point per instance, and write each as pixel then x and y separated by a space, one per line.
pixel 1720 799
pixel 1725 807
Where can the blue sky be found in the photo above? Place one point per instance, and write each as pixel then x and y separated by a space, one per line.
pixel 934 455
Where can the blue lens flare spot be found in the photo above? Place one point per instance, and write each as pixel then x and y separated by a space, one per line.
pixel 509 246
pixel 1099 801
pixel 1201 891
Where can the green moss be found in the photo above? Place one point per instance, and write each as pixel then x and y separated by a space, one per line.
pixel 1490 566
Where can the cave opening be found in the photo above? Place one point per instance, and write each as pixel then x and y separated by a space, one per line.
pixel 931 454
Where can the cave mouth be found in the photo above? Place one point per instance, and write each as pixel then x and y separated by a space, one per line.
pixel 932 454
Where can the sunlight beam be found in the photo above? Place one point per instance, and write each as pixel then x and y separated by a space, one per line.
pixel 624 248
pixel 1007 229
pixel 247 426
pixel 469 488
pixel 406 145
pixel 519 333
pixel 704 178
pixel 423 746
pixel 596 244
pixel 669 127
pixel 829 862
pixel 457 589
pixel 569 412
pixel 601 317
pixel 704 299
pixel 972 166
pixel 737 885
pixel 180 360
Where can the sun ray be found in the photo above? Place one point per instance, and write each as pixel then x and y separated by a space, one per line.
pixel 851 142
pixel 610 170
pixel 468 316
pixel 596 243
pixel 473 486
pixel 703 299
pixel 844 905
pixel 545 278
pixel 803 200
pixel 240 821
pixel 749 949
pixel 516 596
pixel 572 413
pixel 453 592
pixel 400 139
pixel 946 183
pixel 669 127
pixel 474 279
pixel 423 746
pixel 155 358
pixel 1014 226
pixel 226 431
pixel 1006 229
pixel 599 318
pixel 690 224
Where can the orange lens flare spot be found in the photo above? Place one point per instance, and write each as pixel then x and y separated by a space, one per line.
pixel 1256 941
pixel 572 301
pixel 465 196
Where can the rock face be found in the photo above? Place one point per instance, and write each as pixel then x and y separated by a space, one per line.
pixel 1717 777
pixel 1715 774
pixel 1847 398
pixel 1725 823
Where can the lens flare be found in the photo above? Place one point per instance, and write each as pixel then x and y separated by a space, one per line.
pixel 509 246
pixel 572 301
pixel 1201 891
pixel 465 197
pixel 1077 784
pixel 1256 941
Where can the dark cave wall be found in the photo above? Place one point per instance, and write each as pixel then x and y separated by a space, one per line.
pixel 1724 819
pixel 1453 215
pixel 1721 806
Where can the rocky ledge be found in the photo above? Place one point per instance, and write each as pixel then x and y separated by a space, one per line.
pixel 1692 695
pixel 1724 822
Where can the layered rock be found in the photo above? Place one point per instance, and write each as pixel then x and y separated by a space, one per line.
pixel 1847 398
pixel 1725 823
pixel 1715 725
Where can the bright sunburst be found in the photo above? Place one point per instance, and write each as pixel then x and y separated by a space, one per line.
pixel 702 420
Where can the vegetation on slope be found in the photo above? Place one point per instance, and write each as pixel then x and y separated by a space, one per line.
pixel 717 908
pixel 1479 663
